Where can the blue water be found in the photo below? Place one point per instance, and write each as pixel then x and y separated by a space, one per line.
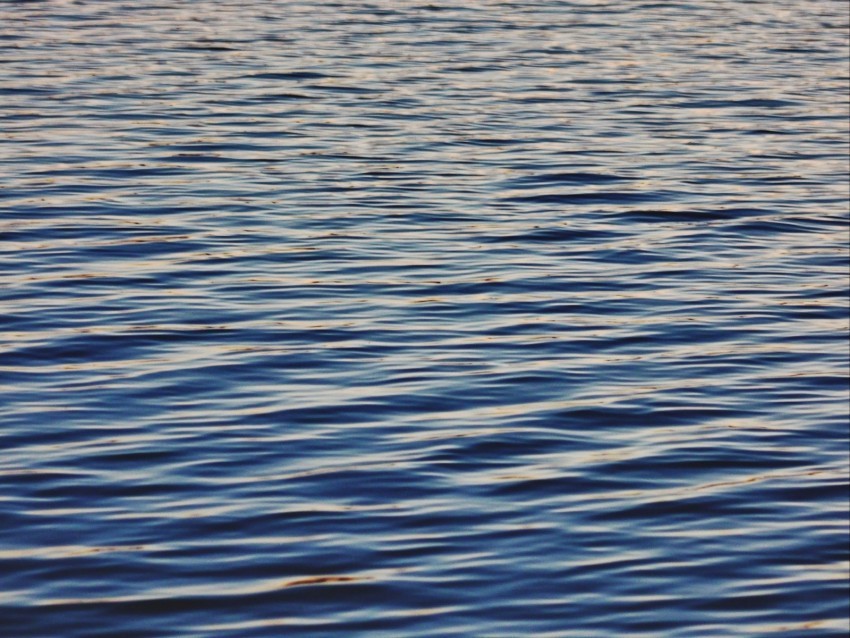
pixel 396 319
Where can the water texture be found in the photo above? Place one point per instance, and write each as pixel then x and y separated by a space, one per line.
pixel 407 319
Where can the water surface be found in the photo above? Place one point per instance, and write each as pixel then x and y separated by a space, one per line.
pixel 404 319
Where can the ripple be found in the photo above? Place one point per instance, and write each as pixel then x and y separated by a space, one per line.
pixel 417 319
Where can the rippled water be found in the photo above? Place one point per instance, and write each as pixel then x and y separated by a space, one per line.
pixel 404 319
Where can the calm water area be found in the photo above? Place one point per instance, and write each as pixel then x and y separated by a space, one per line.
pixel 411 318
